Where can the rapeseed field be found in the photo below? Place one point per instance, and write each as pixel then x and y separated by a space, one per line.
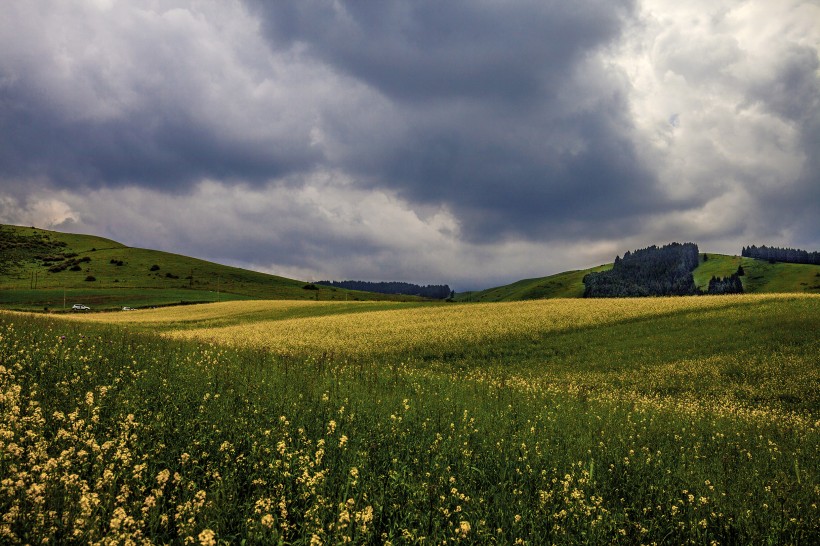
pixel 665 421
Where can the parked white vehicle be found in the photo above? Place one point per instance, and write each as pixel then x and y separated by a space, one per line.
pixel 128 309
pixel 80 307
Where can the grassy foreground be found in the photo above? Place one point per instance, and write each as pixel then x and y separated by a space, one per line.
pixel 688 420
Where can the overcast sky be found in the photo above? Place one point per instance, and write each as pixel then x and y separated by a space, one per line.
pixel 470 142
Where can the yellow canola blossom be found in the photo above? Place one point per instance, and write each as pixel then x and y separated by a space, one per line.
pixel 437 326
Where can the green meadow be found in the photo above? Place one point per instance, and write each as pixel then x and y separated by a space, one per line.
pixel 670 421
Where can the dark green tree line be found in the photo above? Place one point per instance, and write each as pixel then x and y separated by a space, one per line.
pixel 433 291
pixel 789 255
pixel 652 271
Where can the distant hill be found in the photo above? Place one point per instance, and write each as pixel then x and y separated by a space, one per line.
pixel 49 269
pixel 568 284
pixel 760 277
pixel 432 291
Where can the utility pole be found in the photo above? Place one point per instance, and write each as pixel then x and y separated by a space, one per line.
pixel 63 297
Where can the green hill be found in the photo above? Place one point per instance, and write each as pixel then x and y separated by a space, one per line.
pixel 760 277
pixel 562 285
pixel 49 269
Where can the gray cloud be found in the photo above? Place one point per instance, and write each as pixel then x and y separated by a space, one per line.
pixel 130 96
pixel 463 50
pixel 501 113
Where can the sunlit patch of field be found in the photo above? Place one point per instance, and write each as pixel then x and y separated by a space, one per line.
pixel 208 316
pixel 366 328
pixel 676 421
pixel 720 347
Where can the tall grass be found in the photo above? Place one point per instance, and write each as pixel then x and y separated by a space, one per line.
pixel 110 436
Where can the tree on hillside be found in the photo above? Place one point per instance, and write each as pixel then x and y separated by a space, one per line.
pixel 775 254
pixel 652 271
pixel 432 291
pixel 725 285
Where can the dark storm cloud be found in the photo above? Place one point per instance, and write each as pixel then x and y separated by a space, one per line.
pixel 431 49
pixel 793 89
pixel 482 95
pixel 156 146
pixel 121 94
pixel 792 92
pixel 499 112
pixel 503 187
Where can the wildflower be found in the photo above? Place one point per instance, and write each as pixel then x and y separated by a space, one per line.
pixel 162 477
pixel 365 517
pixel 117 519
pixel 206 538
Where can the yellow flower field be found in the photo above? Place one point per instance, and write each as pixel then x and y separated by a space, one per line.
pixel 640 421
pixel 354 329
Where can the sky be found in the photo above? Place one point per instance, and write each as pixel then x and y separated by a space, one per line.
pixel 468 142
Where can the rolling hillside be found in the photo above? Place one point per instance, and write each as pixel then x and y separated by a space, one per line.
pixel 562 285
pixel 48 269
pixel 760 277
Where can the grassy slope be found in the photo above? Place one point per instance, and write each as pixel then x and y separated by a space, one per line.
pixel 760 277
pixel 132 284
pixel 562 285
